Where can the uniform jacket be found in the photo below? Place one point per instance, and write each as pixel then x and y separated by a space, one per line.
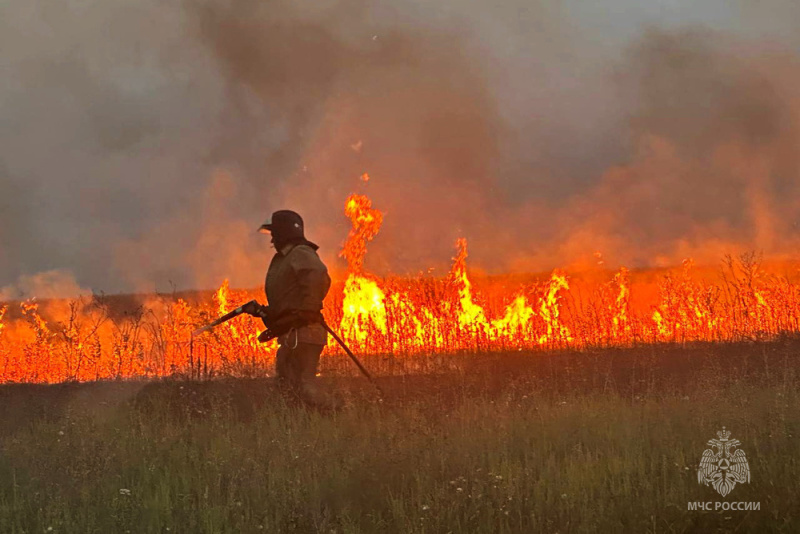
pixel 298 280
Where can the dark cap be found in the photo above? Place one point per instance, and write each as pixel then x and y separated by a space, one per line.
pixel 286 222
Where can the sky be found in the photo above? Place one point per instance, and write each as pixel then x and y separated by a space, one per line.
pixel 142 143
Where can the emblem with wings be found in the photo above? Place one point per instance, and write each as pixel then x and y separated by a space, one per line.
pixel 726 467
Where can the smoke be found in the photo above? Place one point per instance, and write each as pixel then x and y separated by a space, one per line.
pixel 142 144
pixel 714 124
pixel 210 240
pixel 677 146
pixel 410 98
pixel 45 285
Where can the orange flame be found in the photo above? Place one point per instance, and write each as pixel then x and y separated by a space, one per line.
pixel 621 327
pixel 363 306
pixel 366 223
pixel 469 313
pixel 550 312
pixel 402 316
pixel 3 310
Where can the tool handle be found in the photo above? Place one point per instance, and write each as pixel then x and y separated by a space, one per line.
pixel 353 357
pixel 227 317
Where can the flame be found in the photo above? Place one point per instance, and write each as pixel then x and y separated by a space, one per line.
pixel 620 323
pixel 363 305
pixel 30 308
pixel 364 309
pixel 517 318
pixel 3 310
pixel 400 316
pixel 366 223
pixel 550 311
pixel 221 296
pixel 469 314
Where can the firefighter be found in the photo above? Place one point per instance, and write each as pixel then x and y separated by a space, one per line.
pixel 296 284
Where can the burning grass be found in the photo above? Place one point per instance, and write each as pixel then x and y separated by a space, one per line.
pixel 598 441
pixel 404 319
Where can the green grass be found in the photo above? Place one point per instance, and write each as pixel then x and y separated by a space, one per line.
pixel 513 449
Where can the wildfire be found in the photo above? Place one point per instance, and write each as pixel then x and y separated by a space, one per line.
pixel 363 307
pixel 400 316
pixel 620 322
pixel 550 310
pixel 366 223
pixel 469 314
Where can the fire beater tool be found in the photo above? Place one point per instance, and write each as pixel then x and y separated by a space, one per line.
pixel 227 317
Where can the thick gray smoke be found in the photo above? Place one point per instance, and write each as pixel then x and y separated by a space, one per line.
pixel 141 143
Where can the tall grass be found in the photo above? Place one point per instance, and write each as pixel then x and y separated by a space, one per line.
pixel 519 450
pixel 86 340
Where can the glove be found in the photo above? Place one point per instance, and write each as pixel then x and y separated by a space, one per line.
pixel 266 335
pixel 256 310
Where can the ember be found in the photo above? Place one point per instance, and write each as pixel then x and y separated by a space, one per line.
pixel 399 316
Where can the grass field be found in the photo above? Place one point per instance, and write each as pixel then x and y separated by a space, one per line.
pixel 605 441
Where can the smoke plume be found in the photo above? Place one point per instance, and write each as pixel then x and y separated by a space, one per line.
pixel 141 144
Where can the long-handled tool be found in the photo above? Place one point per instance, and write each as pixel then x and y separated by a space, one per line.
pixel 227 317
pixel 353 357
pixel 253 303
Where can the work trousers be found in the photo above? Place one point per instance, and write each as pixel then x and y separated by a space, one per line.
pixel 296 366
